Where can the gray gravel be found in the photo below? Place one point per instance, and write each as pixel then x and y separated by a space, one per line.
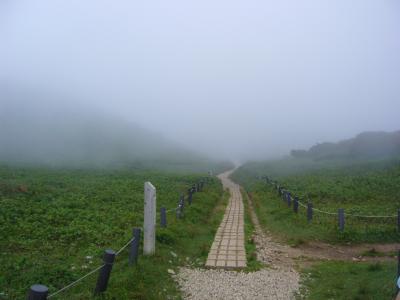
pixel 220 284
pixel 278 281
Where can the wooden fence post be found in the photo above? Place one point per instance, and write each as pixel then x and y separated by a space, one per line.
pixel 309 212
pixel 163 217
pixel 134 253
pixel 38 292
pixel 149 228
pixel 341 218
pixel 105 271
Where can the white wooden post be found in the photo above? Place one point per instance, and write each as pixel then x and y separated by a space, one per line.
pixel 149 227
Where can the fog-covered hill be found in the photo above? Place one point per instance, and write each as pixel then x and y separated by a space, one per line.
pixel 44 132
pixel 366 145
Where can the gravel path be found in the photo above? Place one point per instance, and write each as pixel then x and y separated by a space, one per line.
pixel 277 281
pixel 199 284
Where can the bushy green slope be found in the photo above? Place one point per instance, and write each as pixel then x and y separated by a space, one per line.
pixel 55 225
pixel 369 188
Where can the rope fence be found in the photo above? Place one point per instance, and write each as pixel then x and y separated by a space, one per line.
pixel 41 292
pixel 340 214
pixel 75 282
pixel 339 217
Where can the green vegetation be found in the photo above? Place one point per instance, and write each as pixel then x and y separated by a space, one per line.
pixel 363 188
pixel 344 280
pixel 360 187
pixel 252 263
pixel 55 225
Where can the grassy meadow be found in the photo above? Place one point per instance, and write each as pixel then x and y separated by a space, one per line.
pixel 56 224
pixel 347 280
pixel 361 187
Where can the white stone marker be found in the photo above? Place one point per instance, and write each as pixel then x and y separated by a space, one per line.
pixel 149 228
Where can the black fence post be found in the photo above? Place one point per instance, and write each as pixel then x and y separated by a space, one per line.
pixel 163 217
pixel 296 205
pixel 134 253
pixel 309 212
pixel 190 196
pixel 182 201
pixel 398 271
pixel 105 271
pixel 341 218
pixel 38 292
pixel 398 263
pixel 398 219
pixel 179 210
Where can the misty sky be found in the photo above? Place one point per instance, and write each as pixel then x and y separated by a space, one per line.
pixel 237 79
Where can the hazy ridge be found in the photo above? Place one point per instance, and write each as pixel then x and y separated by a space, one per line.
pixel 366 145
pixel 44 132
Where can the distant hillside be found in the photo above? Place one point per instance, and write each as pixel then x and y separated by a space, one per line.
pixel 42 132
pixel 366 145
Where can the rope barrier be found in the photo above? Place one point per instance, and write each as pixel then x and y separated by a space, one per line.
pixel 324 212
pixel 75 282
pixel 173 209
pixel 99 267
pixel 347 214
pixel 123 247
pixel 91 272
pixel 365 216
pixel 301 204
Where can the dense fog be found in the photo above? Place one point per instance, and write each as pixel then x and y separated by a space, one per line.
pixel 115 80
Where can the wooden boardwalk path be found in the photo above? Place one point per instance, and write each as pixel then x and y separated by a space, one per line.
pixel 227 250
